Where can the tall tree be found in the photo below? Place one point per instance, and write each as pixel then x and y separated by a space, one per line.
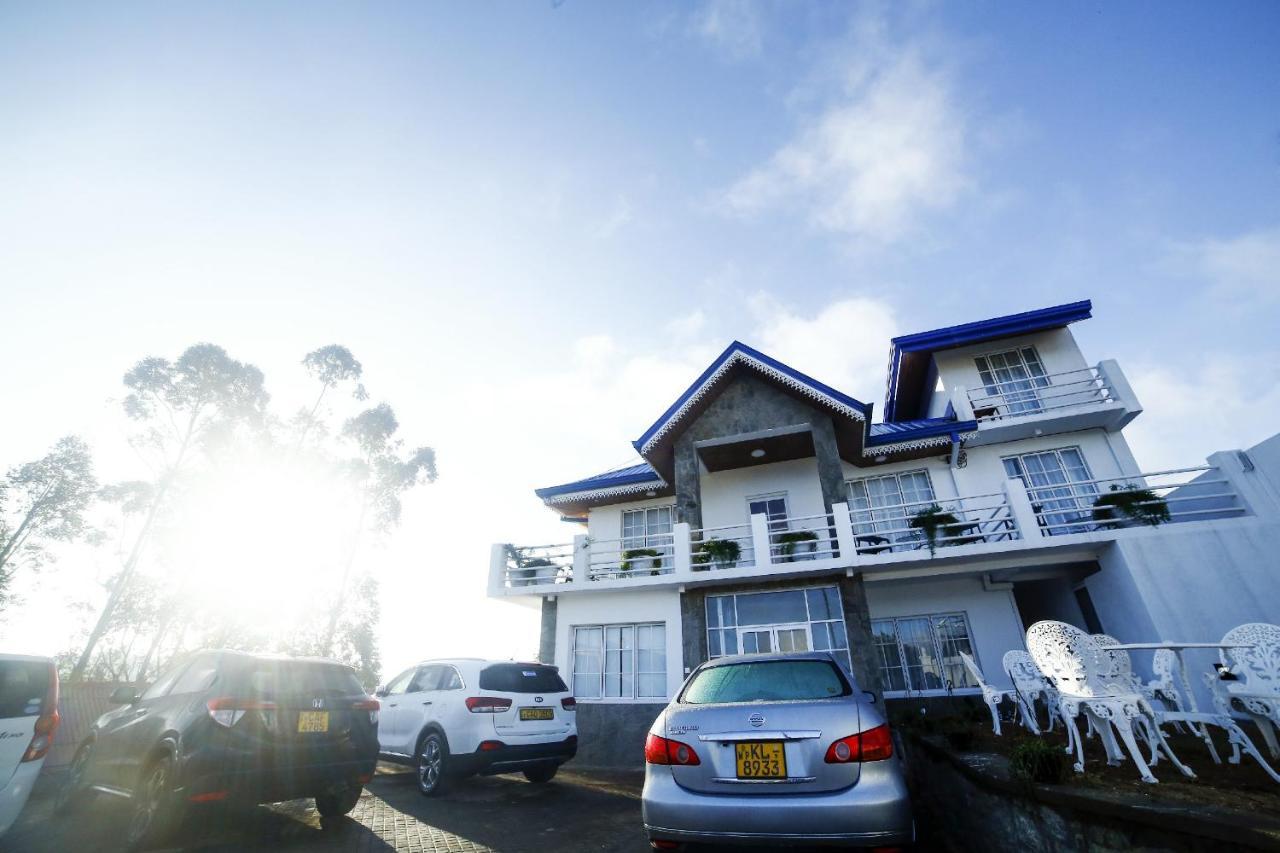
pixel 182 407
pixel 330 366
pixel 382 472
pixel 44 500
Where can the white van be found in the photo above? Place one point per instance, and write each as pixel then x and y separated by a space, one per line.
pixel 28 720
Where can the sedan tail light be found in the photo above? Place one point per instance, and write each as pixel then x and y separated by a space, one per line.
pixel 371 705
pixel 487 704
pixel 872 745
pixel 569 703
pixel 660 750
pixel 47 722
pixel 227 711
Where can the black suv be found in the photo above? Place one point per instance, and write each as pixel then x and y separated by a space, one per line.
pixel 231 726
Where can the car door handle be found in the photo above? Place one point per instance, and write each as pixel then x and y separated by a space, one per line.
pixel 428 702
pixel 392 704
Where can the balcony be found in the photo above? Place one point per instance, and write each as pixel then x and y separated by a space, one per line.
pixel 1053 523
pixel 1007 410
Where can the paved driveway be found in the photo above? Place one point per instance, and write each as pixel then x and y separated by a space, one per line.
pixel 499 813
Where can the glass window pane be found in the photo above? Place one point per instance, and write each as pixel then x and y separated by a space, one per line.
pixel 729 641
pixel 772 608
pixel 824 603
pixel 886 641
pixel 953 637
pixel 915 636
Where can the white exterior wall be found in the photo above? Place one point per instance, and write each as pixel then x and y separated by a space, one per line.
pixel 622 608
pixel 725 493
pixel 605 522
pixel 1057 350
pixel 993 616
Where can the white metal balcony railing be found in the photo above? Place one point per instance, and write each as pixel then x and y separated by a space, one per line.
pixel 1087 386
pixel 1017 517
pixel 1179 494
pixel 957 521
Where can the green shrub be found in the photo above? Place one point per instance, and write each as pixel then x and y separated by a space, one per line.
pixel 1038 761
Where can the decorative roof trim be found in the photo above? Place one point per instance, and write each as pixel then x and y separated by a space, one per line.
pixel 917 444
pixel 612 492
pixel 741 353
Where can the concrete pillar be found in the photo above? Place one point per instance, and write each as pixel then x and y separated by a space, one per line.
pixel 961 404
pixel 497 568
pixel 581 559
pixel 1020 508
pixel 857 623
pixel 830 470
pixel 846 541
pixel 547 639
pixel 761 547
pixel 688 484
pixel 682 551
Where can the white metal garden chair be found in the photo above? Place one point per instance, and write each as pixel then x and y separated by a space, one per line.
pixel 1256 660
pixel 993 696
pixel 1164 686
pixel 1082 673
pixel 1030 684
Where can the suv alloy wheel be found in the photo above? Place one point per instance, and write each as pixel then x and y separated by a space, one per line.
pixel 431 764
pixel 156 810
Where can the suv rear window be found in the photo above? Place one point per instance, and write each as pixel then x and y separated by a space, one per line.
pixel 522 678
pixel 23 686
pixel 296 678
pixel 764 681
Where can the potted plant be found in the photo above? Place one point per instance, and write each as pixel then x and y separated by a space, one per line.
pixel 635 553
pixel 787 541
pixel 536 569
pixel 1128 504
pixel 722 553
pixel 930 521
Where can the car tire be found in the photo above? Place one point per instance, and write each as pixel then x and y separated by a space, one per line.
pixel 156 810
pixel 541 775
pixel 74 793
pixel 337 804
pixel 432 765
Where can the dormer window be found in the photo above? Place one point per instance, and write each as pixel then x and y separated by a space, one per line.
pixel 1011 379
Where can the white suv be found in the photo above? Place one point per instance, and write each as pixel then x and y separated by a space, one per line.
pixel 28 719
pixel 457 717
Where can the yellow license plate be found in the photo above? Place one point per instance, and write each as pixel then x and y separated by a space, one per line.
pixel 537 714
pixel 761 759
pixel 313 721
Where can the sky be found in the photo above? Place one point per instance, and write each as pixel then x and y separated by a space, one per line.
pixel 535 224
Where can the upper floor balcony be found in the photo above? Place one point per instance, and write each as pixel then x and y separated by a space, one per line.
pixel 1039 523
pixel 1018 401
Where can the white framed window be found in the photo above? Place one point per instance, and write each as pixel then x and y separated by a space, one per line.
pixel 1011 379
pixel 921 654
pixel 881 509
pixel 650 529
pixel 1060 487
pixel 620 661
pixel 773 507
pixel 786 620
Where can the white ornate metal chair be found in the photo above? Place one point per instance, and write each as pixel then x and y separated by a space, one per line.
pixel 993 696
pixel 1083 674
pixel 1164 686
pixel 1256 660
pixel 1030 684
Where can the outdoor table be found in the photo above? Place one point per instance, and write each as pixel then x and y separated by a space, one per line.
pixel 1177 649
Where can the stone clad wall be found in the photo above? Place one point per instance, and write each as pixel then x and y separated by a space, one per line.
pixel 612 734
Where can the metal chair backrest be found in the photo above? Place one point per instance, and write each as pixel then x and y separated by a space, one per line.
pixel 1259 666
pixel 974 673
pixel 1023 672
pixel 1071 659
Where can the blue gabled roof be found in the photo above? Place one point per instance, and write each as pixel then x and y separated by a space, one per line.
pixel 974 333
pixel 630 475
pixel 898 431
pixel 730 351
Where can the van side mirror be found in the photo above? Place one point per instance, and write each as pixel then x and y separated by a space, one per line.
pixel 380 690
pixel 871 696
pixel 124 696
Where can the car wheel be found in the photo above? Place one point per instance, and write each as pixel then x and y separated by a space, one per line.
pixel 539 775
pixel 74 792
pixel 155 811
pixel 432 761
pixel 336 804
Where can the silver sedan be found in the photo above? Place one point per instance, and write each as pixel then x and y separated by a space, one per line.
pixel 774 749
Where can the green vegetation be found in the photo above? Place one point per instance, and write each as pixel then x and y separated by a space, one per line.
pixel 1129 503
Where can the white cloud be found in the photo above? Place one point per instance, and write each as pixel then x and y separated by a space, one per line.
pixel 888 149
pixel 687 325
pixel 732 26
pixel 1243 267
pixel 845 345
pixel 620 216
pixel 1225 404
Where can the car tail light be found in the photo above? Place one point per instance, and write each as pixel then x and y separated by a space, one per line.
pixel 371 705
pixel 487 704
pixel 227 711
pixel 872 745
pixel 490 745
pixel 569 703
pixel 47 722
pixel 660 750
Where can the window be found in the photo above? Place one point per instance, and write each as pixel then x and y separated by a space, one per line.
pixel 789 620
pixel 198 677
pixel 1011 379
pixel 426 679
pixel 922 653
pixel 773 507
pixel 23 688
pixel 164 682
pixel 522 678
pixel 880 508
pixel 1060 487
pixel 451 680
pixel 794 680
pixel 620 661
pixel 400 682
pixel 649 529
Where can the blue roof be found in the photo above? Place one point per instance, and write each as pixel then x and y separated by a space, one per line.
pixel 974 333
pixel 898 431
pixel 729 352
pixel 632 474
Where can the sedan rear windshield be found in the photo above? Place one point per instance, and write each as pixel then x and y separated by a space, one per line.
pixel 296 678
pixel 23 687
pixel 522 678
pixel 764 681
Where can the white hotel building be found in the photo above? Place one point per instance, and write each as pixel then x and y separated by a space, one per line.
pixel 813 512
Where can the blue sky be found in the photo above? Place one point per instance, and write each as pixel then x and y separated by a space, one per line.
pixel 535 223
